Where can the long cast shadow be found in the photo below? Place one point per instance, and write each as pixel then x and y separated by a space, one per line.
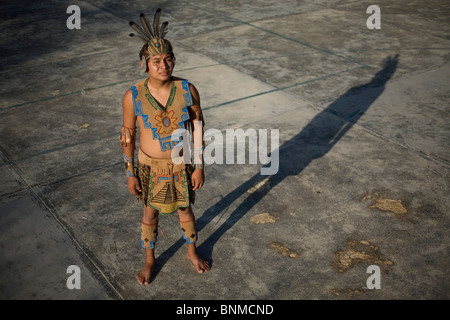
pixel 315 140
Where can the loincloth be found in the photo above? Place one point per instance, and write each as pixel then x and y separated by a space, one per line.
pixel 165 186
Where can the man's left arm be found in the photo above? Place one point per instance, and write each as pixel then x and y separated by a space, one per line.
pixel 197 124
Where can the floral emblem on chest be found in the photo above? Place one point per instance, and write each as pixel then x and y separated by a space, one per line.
pixel 166 122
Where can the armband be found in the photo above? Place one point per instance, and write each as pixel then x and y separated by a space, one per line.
pixel 127 135
pixel 129 166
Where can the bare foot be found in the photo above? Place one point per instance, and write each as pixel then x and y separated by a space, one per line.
pixel 145 275
pixel 200 264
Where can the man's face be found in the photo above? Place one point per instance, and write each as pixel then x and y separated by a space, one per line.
pixel 160 67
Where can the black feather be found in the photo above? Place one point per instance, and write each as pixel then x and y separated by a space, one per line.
pixel 147 31
pixel 138 29
pixel 156 23
pixel 146 25
pixel 163 30
pixel 139 37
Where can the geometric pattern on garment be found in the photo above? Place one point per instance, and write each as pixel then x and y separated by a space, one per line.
pixel 149 235
pixel 163 121
pixel 168 184
pixel 189 231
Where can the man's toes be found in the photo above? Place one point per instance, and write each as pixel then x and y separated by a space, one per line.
pixel 143 279
pixel 204 267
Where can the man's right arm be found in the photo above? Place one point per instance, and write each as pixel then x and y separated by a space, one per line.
pixel 128 141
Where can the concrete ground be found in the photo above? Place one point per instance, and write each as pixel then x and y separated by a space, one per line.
pixel 364 155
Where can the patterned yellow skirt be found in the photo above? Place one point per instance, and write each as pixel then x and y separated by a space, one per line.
pixel 166 186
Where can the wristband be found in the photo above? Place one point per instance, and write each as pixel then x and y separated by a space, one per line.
pixel 129 165
pixel 198 158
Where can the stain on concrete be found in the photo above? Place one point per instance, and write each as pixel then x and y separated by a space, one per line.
pixel 262 218
pixel 260 185
pixel 383 204
pixel 348 293
pixel 280 248
pixel 357 252
pixel 84 126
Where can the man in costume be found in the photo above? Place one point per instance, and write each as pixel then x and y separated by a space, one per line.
pixel 164 107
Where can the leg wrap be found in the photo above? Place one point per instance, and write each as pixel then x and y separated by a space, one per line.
pixel 149 235
pixel 189 231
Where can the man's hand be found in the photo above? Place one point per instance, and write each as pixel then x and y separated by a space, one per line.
pixel 133 186
pixel 198 179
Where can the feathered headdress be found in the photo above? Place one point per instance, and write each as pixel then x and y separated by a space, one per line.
pixel 152 34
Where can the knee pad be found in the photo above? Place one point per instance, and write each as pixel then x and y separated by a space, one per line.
pixel 149 235
pixel 189 231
